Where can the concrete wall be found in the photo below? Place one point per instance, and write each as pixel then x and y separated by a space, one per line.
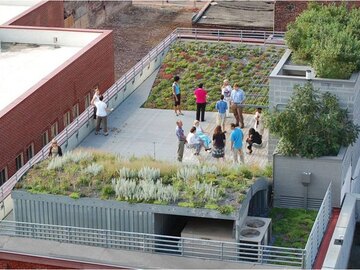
pixel 85 14
pixel 47 14
pixel 289 192
pixel 45 103
pixel 286 11
pixel 347 91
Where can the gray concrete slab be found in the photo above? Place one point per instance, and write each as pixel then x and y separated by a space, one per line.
pixel 136 131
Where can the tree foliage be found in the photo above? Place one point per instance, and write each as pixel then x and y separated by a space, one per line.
pixel 328 38
pixel 312 125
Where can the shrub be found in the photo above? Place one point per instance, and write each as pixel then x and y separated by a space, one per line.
pixel 312 125
pixel 328 38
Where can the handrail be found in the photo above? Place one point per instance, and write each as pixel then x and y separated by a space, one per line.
pixel 319 228
pixel 145 242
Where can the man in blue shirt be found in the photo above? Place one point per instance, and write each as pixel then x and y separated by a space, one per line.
pixel 221 106
pixel 237 100
pixel 236 138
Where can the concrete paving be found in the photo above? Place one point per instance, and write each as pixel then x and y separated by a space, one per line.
pixel 136 131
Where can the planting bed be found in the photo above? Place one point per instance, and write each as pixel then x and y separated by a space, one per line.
pixel 210 63
pixel 85 173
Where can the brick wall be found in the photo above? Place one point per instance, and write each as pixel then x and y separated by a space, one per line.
pixel 286 11
pixel 24 122
pixel 48 14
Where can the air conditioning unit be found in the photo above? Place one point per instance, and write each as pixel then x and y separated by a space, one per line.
pixel 256 231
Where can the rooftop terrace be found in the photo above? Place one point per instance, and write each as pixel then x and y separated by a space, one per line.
pixel 135 131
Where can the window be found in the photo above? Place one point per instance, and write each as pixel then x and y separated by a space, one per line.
pixel 75 110
pixel 54 129
pixel 19 161
pixel 3 176
pixel 44 138
pixel 67 119
pixel 87 100
pixel 30 151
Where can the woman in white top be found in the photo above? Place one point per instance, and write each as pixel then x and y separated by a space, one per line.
pixel 226 91
pixel 259 123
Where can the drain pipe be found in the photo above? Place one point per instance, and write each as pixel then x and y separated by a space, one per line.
pixel 306 180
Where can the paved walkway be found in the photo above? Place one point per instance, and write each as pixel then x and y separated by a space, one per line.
pixel 136 131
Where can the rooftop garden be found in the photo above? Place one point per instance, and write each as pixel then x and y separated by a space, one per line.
pixel 90 173
pixel 291 227
pixel 327 37
pixel 211 63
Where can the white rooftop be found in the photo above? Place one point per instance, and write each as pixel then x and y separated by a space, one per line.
pixel 12 9
pixel 27 56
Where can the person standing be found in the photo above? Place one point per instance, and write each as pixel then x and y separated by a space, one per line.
pixel 55 149
pixel 237 100
pixel 226 91
pixel 236 137
pixel 181 140
pixel 96 98
pixel 101 114
pixel 219 140
pixel 200 95
pixel 177 96
pixel 259 125
pixel 222 108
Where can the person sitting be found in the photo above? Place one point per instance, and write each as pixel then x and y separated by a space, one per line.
pixel 55 149
pixel 194 141
pixel 205 138
pixel 253 137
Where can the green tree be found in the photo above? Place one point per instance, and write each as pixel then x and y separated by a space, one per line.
pixel 328 38
pixel 312 125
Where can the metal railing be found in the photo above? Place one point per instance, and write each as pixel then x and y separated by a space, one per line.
pixel 152 243
pixel 231 35
pixel 319 228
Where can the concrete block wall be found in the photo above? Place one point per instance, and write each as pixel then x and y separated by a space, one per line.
pixel 286 11
pixel 48 101
pixel 47 14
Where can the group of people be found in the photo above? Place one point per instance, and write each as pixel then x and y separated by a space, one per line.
pixel 197 139
pixel 230 99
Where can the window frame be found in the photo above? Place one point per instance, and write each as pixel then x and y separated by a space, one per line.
pixel 21 155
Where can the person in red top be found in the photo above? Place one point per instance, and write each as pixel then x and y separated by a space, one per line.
pixel 200 95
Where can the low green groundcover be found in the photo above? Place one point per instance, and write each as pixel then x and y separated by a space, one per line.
pixel 90 173
pixel 291 227
pixel 211 63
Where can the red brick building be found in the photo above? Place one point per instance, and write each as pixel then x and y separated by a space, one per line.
pixel 48 77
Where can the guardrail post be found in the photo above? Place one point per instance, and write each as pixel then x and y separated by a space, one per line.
pixel 144 245
pixel 303 259
pixel 181 246
pixel 222 250
pixel 33 230
pixel 106 239
pixel 218 35
pixel 69 234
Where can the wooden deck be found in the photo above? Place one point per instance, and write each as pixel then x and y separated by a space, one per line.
pixel 258 157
